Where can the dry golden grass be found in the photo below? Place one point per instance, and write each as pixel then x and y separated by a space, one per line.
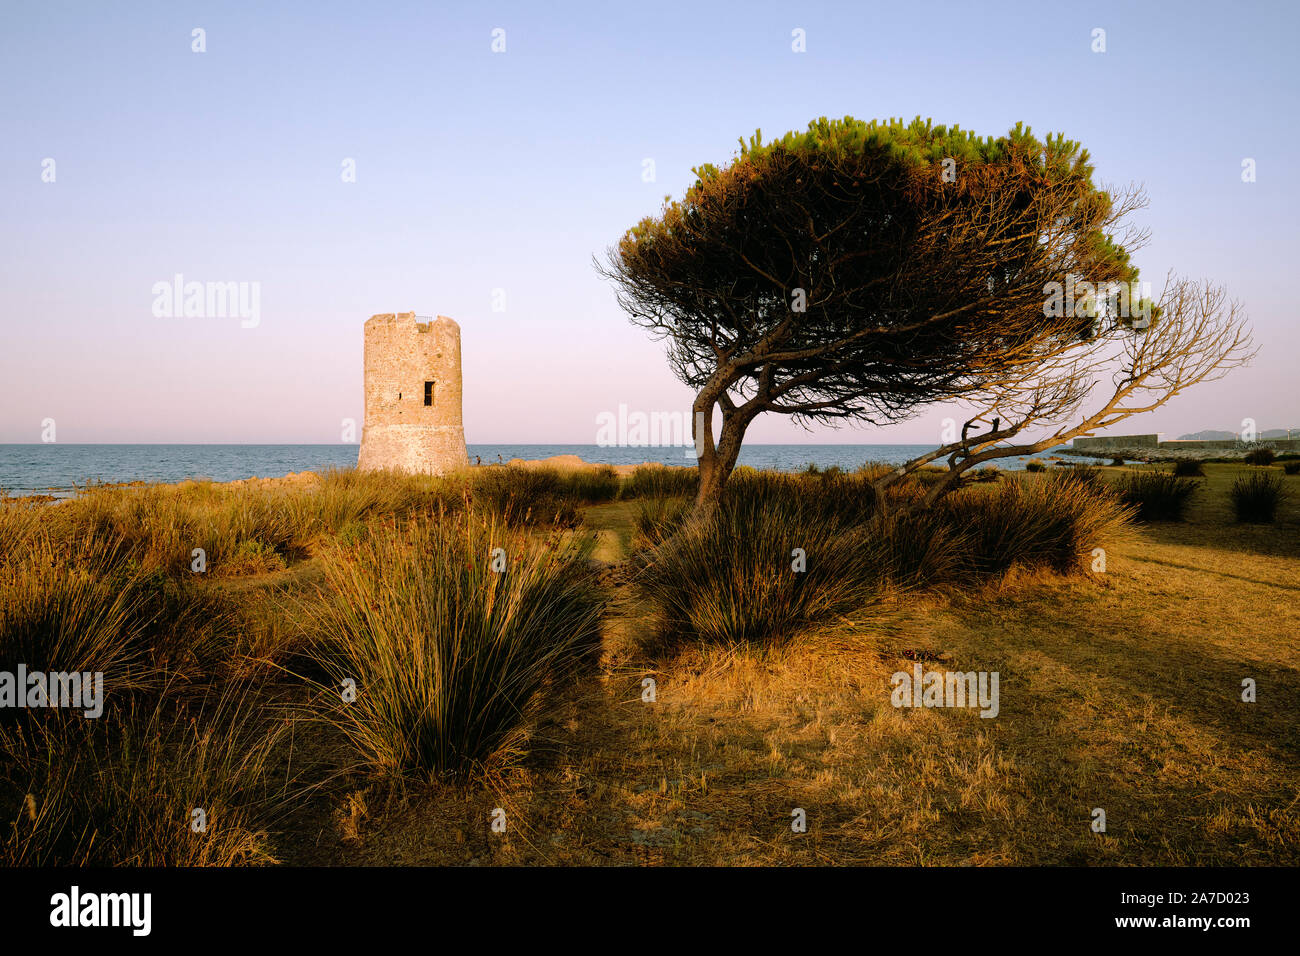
pixel 1121 691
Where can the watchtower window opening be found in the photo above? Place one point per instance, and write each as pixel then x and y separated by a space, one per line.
pixel 428 393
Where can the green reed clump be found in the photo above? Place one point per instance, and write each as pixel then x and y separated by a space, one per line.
pixel 1089 475
pixel 1157 495
pixel 661 481
pixel 915 548
pixel 122 790
pixel 342 500
pixel 239 528
pixel 1189 468
pixel 20 523
pixel 831 473
pixel 834 496
pixel 57 616
pixel 1260 456
pixel 94 611
pixel 161 526
pixel 590 485
pixel 184 627
pixel 728 575
pixel 1257 496
pixel 524 497
pixel 656 520
pixel 451 644
pixel 763 565
pixel 1052 523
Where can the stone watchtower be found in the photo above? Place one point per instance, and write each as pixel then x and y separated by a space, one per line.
pixel 413 419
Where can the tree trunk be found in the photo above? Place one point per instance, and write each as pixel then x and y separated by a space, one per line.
pixel 718 462
pixel 711 482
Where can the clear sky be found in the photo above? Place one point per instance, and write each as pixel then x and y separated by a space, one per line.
pixel 478 171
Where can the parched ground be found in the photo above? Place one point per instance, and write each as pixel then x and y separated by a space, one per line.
pixel 1121 692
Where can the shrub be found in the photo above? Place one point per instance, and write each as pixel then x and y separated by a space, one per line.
pixel 1033 465
pixel 19 527
pixel 1256 496
pixel 826 474
pixel 1189 468
pixel 1260 456
pixel 1117 463
pixel 184 628
pixel 730 577
pixel 656 520
pixel 344 498
pixel 1157 495
pixel 1087 475
pixel 661 481
pixel 600 483
pixel 159 526
pixel 1052 524
pixel 872 470
pixel 838 497
pixel 96 612
pixel 241 528
pixel 451 657
pixel 120 790
pixel 524 496
pixel 927 474
pixel 251 556
pixel 1292 467
pixel 57 617
pixel 915 548
pixel 152 525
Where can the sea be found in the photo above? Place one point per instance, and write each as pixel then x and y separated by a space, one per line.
pixel 59 469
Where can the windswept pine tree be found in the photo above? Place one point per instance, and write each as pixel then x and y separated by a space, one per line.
pixel 862 271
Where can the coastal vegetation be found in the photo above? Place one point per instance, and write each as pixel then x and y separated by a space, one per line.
pixel 377 668
pixel 451 625
pixel 1158 495
pixel 1256 496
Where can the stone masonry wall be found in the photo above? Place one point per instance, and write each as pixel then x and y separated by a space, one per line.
pixel 400 432
pixel 1116 442
pixel 1149 446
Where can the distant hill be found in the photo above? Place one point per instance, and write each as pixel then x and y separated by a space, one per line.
pixel 1214 435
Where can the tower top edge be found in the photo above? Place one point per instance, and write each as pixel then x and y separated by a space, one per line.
pixel 410 318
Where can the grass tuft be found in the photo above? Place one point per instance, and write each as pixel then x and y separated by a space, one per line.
pixel 1050 523
pixel 1256 497
pixel 123 790
pixel 762 567
pixel 1157 495
pixel 661 481
pixel 55 616
pixel 733 576
pixel 450 657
